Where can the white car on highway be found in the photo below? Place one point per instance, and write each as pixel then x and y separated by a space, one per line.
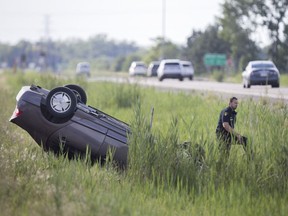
pixel 83 68
pixel 137 68
pixel 175 69
pixel 170 68
pixel 187 70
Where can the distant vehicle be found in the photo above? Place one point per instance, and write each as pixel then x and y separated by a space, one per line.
pixel 60 121
pixel 188 70
pixel 83 68
pixel 152 68
pixel 261 72
pixel 137 68
pixel 170 68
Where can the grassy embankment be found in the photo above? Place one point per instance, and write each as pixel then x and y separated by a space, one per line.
pixel 164 177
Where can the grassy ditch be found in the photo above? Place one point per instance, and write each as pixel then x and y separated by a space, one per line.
pixel 174 164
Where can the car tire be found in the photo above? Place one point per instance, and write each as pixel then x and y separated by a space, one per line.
pixel 79 92
pixel 181 78
pixel 246 84
pixel 61 102
pixel 161 79
pixel 191 78
pixel 277 85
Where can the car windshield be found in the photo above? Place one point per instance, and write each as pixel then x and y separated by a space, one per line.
pixel 263 65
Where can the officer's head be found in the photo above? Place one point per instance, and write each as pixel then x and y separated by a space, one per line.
pixel 233 103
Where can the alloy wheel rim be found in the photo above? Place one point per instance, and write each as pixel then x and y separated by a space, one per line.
pixel 60 102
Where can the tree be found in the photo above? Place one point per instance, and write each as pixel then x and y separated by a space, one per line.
pixel 242 47
pixel 162 50
pixel 200 43
pixel 5 57
pixel 100 51
pixel 270 14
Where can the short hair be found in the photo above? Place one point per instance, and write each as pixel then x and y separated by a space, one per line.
pixel 233 98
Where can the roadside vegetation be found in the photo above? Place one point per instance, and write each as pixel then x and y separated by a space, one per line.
pixel 174 164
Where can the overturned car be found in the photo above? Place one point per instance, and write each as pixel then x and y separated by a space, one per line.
pixel 60 121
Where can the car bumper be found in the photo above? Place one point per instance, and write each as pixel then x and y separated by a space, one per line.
pixel 263 81
pixel 172 75
pixel 188 75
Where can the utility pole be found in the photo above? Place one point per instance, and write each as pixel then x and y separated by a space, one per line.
pixel 163 19
pixel 163 28
pixel 47 27
pixel 45 45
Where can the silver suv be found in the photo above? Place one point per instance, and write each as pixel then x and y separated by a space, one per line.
pixel 83 68
pixel 137 68
pixel 188 70
pixel 170 68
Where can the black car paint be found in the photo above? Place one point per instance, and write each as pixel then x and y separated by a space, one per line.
pixel 87 127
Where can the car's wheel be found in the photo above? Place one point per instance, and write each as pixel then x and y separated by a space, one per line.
pixel 246 84
pixel 276 85
pixel 161 79
pixel 191 78
pixel 79 93
pixel 61 102
pixel 181 78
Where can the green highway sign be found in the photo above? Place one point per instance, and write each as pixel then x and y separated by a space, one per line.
pixel 214 59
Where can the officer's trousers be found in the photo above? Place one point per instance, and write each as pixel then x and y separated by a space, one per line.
pixel 227 139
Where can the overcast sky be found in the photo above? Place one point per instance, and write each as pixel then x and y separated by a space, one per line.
pixel 130 20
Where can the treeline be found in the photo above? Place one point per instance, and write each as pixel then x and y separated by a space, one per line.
pixel 56 56
pixel 231 34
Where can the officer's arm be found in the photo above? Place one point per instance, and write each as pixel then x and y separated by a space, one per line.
pixel 229 129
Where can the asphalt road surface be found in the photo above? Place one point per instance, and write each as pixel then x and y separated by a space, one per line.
pixel 228 89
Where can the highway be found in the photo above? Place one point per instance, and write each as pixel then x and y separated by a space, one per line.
pixel 228 89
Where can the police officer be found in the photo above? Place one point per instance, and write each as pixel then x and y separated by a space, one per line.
pixel 225 129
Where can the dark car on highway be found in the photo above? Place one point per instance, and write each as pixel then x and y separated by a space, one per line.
pixel 60 121
pixel 261 72
pixel 152 68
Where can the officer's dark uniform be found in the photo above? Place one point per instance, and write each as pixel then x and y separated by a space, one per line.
pixel 226 115
pixel 226 138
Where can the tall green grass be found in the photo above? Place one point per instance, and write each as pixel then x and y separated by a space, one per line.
pixel 168 173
